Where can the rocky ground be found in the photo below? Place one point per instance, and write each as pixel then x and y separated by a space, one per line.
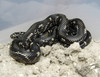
pixel 56 61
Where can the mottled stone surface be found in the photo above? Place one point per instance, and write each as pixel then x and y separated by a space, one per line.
pixel 56 61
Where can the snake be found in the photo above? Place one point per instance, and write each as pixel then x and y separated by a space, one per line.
pixel 56 28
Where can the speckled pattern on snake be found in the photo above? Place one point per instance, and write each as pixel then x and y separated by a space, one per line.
pixel 56 28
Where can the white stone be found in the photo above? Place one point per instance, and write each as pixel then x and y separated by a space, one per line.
pixel 58 61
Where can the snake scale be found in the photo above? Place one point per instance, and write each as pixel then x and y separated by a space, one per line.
pixel 56 28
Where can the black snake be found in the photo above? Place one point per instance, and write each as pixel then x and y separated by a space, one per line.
pixel 55 28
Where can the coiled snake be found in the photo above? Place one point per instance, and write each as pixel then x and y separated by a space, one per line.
pixel 55 28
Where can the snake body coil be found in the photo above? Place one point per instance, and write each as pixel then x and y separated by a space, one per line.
pixel 55 28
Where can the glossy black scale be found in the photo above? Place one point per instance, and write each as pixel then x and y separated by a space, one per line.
pixel 56 28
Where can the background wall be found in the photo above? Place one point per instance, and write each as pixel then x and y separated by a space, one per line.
pixel 14 12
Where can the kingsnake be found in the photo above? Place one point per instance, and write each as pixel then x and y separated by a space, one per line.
pixel 56 28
